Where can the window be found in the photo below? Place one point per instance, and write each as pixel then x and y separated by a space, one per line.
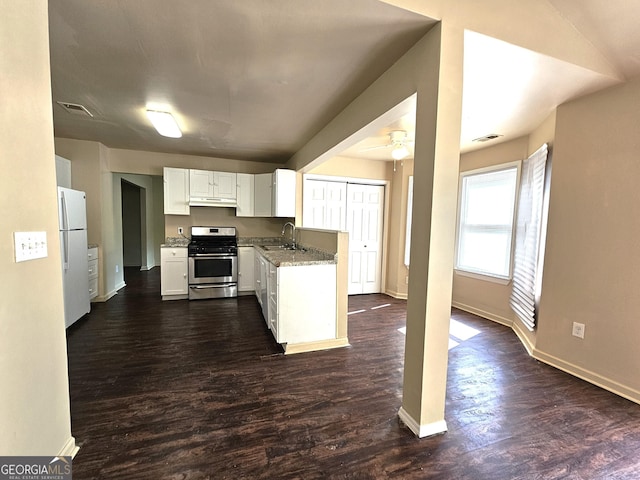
pixel 485 220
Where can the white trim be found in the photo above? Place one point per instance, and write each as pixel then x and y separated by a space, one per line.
pixel 574 370
pixel 524 339
pixel 398 295
pixel 484 314
pixel 422 431
pixel 485 277
pixel 589 376
pixel 292 348
pixel 356 180
pixel 480 171
pixel 70 449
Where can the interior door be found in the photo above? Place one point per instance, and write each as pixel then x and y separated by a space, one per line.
pixel 364 222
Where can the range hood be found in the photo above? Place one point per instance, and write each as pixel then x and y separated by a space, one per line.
pixel 212 202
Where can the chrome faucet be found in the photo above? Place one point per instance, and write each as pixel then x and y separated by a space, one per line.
pixel 293 233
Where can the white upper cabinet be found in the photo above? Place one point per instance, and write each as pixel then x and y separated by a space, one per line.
pixel 262 199
pixel 176 191
pixel 284 193
pixel 224 185
pixel 207 188
pixel 245 186
pixel 200 184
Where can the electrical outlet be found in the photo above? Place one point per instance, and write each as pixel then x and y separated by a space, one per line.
pixel 406 280
pixel 578 330
pixel 180 230
pixel 117 268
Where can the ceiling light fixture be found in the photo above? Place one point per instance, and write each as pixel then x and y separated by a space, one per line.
pixel 164 123
pixel 399 151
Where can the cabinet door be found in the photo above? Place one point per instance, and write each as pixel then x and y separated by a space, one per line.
pixel 284 193
pixel 200 184
pixel 256 276
pixel 224 185
pixel 244 194
pixel 245 269
pixel 176 191
pixel 262 199
pixel 173 271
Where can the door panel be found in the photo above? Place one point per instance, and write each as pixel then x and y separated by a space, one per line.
pixel 364 211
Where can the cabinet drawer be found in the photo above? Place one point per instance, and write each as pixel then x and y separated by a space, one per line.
pixel 93 269
pixel 174 252
pixel 93 287
pixel 92 253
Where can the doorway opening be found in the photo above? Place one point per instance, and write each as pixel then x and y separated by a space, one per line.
pixel 133 225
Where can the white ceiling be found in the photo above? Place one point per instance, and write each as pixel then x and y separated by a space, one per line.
pixel 255 80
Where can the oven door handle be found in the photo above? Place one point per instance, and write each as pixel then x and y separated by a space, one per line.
pixel 204 287
pixel 213 255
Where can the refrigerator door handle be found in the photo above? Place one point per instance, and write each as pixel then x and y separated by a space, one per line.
pixel 65 250
pixel 63 208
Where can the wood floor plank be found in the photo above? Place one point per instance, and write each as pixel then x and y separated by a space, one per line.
pixel 197 390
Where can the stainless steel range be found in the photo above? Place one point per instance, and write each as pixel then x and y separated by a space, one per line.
pixel 213 263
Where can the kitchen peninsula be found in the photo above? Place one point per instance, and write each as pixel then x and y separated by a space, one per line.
pixel 297 289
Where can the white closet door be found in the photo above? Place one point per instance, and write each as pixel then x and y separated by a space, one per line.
pixel 325 205
pixel 365 205
pixel 336 206
pixel 314 204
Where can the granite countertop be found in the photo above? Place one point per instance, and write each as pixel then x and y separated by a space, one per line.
pixel 175 242
pixel 294 258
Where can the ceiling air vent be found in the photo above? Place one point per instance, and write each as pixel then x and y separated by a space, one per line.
pixel 486 138
pixel 75 109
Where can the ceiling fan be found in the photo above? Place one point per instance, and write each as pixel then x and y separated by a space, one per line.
pixel 398 142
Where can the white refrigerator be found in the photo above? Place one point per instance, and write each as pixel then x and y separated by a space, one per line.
pixel 72 220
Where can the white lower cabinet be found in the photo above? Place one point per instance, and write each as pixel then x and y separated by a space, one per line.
pixel 246 281
pixel 298 302
pixel 92 256
pixel 174 278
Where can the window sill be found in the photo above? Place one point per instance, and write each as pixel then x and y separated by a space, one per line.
pixel 485 278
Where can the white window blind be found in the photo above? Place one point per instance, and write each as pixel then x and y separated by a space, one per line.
pixel 527 273
pixel 485 221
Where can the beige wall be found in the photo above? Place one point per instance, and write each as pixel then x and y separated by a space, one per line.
pixel 34 403
pixel 397 272
pixel 151 163
pixel 224 217
pixel 591 268
pixel 353 168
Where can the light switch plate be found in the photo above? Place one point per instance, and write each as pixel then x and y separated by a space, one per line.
pixel 30 245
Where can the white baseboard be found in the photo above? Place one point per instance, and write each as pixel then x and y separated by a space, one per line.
pixel 422 431
pixel 588 376
pixel 398 295
pixel 291 348
pixel 70 449
pixel 481 313
pixel 524 339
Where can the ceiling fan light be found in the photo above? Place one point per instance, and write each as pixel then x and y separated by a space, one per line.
pixel 399 152
pixel 164 123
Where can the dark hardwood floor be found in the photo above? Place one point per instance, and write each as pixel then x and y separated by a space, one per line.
pixel 195 390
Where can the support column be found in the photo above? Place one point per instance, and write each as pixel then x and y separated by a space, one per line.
pixel 437 154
